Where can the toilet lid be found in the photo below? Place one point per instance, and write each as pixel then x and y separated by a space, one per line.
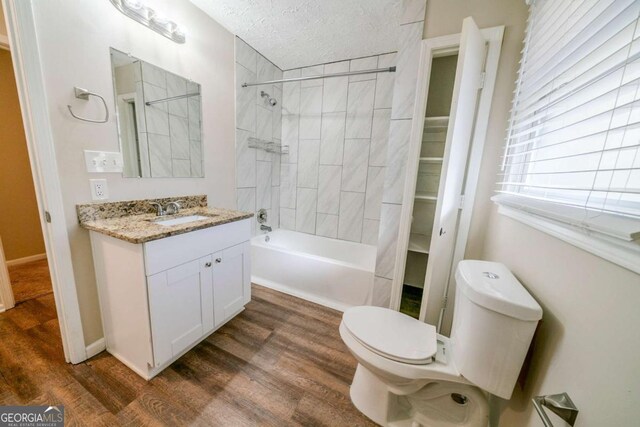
pixel 392 334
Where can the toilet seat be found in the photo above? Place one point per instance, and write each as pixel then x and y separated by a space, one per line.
pixel 391 334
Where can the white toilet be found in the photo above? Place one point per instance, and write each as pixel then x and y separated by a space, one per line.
pixel 408 375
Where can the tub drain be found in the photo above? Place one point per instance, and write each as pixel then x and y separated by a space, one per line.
pixel 460 399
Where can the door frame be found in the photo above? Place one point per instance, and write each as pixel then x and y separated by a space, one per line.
pixel 432 47
pixel 29 77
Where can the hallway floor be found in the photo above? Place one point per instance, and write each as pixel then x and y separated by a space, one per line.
pixel 30 280
pixel 280 362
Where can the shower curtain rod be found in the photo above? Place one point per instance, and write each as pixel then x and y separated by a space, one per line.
pixel 346 73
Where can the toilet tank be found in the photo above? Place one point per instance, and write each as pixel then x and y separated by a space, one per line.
pixel 493 323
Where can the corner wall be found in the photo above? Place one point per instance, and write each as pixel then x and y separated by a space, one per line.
pixel 257 171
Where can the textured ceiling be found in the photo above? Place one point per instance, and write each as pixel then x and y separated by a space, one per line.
pixel 299 33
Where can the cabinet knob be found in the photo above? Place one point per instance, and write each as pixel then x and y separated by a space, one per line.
pixel 207 264
pixel 218 260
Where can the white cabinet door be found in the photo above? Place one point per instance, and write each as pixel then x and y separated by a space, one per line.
pixel 471 58
pixel 231 281
pixel 180 307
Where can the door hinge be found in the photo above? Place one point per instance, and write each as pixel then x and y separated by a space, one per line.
pixel 461 202
pixel 482 77
pixel 47 216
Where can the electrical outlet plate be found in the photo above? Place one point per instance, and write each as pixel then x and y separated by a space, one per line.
pixel 103 161
pixel 99 189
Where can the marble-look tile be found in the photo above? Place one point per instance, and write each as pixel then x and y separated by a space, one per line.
pixel 275 170
pixel 154 75
pixel 366 63
pixel 290 137
pixel 291 74
pixel 306 210
pixel 195 124
pixel 332 140
pixel 380 137
pixel 334 96
pixel 181 168
pixel 381 292
pixel 288 185
pixel 141 123
pixel 354 168
pixel 413 11
pixel 263 185
pixel 264 123
pixel 375 187
pixel 246 199
pixel 329 189
pixel 408 58
pixel 308 160
pixel 287 218
pixel 360 109
pixel 276 115
pixel 176 86
pixel 265 71
pixel 370 229
pixel 274 219
pixel 160 155
pixel 245 55
pixel 179 132
pixel 245 160
pixel 315 70
pixel 310 112
pixel 157 121
pixel 351 216
pixel 388 239
pixel 327 225
pixel 245 100
pixel 291 98
pixel 384 82
pixel 399 134
pixel 197 170
pixel 154 93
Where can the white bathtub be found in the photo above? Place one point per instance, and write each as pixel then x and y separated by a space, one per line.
pixel 334 273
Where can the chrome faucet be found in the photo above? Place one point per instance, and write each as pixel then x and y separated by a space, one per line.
pixel 173 208
pixel 265 228
pixel 160 211
pixel 170 208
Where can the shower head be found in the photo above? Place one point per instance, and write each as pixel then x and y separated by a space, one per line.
pixel 272 101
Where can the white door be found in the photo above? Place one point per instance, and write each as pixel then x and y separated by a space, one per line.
pixel 181 307
pixel 231 281
pixel 471 59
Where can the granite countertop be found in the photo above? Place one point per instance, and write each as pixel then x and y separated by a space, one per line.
pixel 130 221
pixel 143 228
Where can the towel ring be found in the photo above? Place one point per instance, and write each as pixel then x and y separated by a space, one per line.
pixel 85 94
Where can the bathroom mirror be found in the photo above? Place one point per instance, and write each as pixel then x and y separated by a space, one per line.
pixel 159 120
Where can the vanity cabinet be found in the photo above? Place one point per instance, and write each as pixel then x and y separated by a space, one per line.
pixel 160 298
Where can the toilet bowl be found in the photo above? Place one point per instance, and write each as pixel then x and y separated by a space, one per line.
pixel 409 375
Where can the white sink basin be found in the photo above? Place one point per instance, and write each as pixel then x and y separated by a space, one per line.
pixel 181 220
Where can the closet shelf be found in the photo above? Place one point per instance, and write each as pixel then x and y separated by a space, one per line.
pixel 419 243
pixel 431 159
pixel 426 196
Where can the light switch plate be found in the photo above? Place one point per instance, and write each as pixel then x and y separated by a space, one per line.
pixel 99 189
pixel 103 161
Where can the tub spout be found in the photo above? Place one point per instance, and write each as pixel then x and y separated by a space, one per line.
pixel 265 228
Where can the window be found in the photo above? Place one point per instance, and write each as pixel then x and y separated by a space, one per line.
pixel 572 156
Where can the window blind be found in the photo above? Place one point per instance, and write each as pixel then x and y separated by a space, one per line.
pixel 573 144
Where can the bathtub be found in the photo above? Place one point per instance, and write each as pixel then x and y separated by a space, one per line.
pixel 334 273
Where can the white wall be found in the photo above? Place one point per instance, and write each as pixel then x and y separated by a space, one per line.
pixel 74 40
pixel 337 130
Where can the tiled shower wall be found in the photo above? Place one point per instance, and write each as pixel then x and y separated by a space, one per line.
pixel 337 130
pixel 257 172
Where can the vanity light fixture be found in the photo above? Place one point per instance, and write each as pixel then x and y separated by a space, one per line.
pixel 137 11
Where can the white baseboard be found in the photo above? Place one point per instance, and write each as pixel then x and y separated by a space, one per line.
pixel 2 309
pixel 96 347
pixel 26 260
